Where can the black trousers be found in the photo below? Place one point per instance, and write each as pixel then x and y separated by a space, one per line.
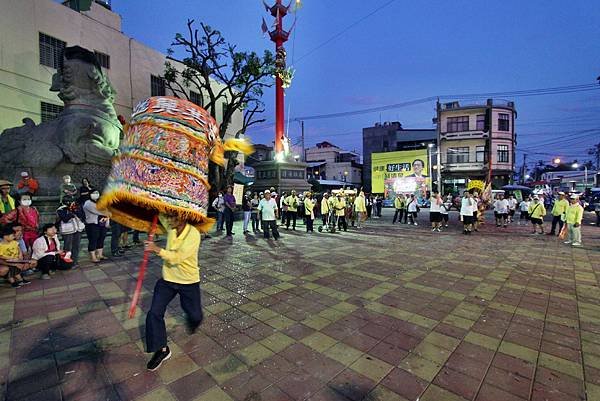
pixel 309 224
pixel 405 216
pixel 291 216
pixel 398 215
pixel 115 234
pixel 228 220
pixel 284 217
pixel 369 211
pixel 96 234
pixel 342 223
pixel 254 219
pixel 164 292
pixel 272 226
pixel 47 263
pixel 556 220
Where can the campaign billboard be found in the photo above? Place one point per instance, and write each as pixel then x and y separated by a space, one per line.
pixel 400 172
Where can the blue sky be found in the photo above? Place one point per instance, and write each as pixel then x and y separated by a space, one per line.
pixel 409 50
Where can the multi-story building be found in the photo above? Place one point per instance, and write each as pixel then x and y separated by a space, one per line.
pixel 33 35
pixel 476 142
pixel 327 162
pixel 391 137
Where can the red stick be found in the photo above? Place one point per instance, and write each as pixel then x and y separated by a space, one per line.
pixel 138 286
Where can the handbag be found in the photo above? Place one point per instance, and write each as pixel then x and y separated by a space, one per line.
pixel 563 232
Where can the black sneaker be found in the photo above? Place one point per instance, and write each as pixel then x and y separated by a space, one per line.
pixel 25 282
pixel 158 358
pixel 16 284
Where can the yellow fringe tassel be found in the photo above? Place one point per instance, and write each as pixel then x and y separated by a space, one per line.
pixel 238 145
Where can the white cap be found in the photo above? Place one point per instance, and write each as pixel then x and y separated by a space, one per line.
pixel 574 196
pixel 267 191
pixel 24 174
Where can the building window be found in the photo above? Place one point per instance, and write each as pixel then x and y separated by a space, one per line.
pixel 50 111
pixel 103 59
pixel 457 124
pixel 51 51
pixel 157 86
pixel 503 153
pixel 457 155
pixel 480 154
pixel 196 98
pixel 480 122
pixel 503 123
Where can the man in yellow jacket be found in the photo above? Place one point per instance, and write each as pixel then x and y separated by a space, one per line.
pixel 292 202
pixel 537 211
pixel 7 202
pixel 325 208
pixel 360 207
pixel 340 211
pixel 180 275
pixel 558 213
pixel 399 205
pixel 573 218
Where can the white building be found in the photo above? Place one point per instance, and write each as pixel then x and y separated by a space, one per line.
pixel 32 36
pixel 328 162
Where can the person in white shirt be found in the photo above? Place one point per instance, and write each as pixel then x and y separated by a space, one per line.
pixel 512 207
pixel 501 210
pixel 446 206
pixel 268 210
pixel 435 211
pixel 467 208
pixel 219 205
pixel 524 209
pixel 413 209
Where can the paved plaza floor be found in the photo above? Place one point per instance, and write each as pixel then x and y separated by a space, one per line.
pixel 389 313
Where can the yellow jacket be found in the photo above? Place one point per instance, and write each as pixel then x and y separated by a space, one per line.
pixel 309 205
pixel 11 203
pixel 560 207
pixel 180 256
pixel 360 204
pixel 340 207
pixel 292 202
pixel 537 210
pixel 324 206
pixel 574 214
pixel 398 203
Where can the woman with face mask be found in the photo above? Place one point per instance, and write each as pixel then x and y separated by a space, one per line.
pixel 96 225
pixel 29 218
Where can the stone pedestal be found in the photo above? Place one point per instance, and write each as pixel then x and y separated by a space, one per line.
pixel 283 176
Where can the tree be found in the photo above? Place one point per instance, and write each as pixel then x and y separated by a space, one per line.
pixel 221 76
pixel 595 153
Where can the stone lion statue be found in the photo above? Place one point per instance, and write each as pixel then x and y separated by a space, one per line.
pixel 86 132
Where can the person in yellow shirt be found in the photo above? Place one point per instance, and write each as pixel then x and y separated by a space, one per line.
pixel 309 206
pixel 558 213
pixel 360 206
pixel 573 218
pixel 292 203
pixel 325 208
pixel 399 205
pixel 180 275
pixel 537 211
pixel 340 211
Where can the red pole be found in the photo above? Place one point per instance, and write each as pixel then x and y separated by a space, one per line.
pixel 279 109
pixel 140 280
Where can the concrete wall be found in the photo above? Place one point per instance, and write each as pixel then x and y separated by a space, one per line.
pixel 24 82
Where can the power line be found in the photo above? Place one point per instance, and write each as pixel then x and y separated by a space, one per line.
pixel 520 93
pixel 346 29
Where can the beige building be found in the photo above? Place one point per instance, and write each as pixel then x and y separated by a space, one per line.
pixel 328 162
pixel 476 142
pixel 32 36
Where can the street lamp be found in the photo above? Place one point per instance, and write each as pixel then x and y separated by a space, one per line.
pixel 585 173
pixel 345 176
pixel 556 161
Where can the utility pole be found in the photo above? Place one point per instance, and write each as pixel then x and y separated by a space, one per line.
pixel 303 149
pixel 523 169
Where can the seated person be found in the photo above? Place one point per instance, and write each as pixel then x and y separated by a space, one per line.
pixel 11 258
pixel 48 254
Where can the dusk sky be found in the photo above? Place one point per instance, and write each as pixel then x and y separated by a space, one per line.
pixel 409 50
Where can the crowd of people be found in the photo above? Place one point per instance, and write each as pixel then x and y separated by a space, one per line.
pixel 28 246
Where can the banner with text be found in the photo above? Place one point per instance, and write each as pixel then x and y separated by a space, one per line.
pixel 402 172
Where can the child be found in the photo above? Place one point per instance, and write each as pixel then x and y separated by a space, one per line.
pixel 11 258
